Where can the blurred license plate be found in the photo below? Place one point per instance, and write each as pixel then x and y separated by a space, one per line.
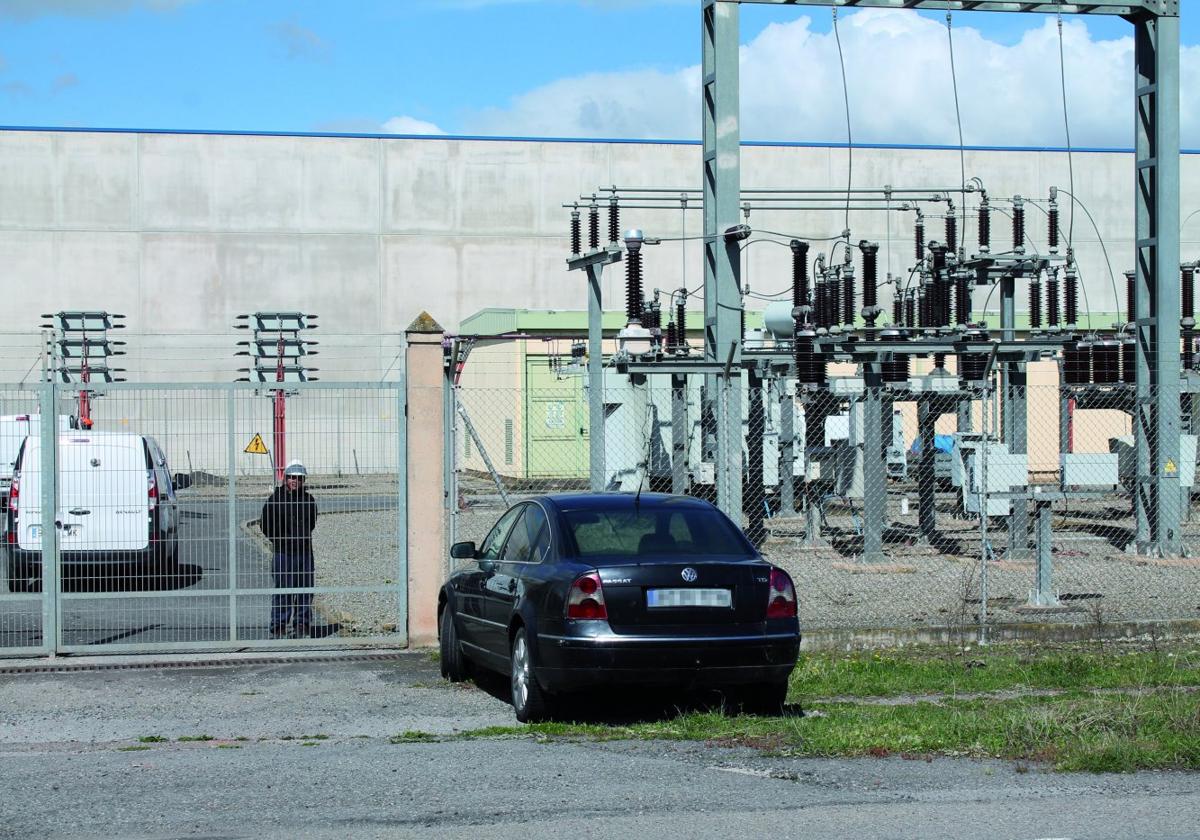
pixel 688 598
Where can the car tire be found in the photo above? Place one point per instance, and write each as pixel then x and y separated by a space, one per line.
pixel 530 702
pixel 764 698
pixel 454 664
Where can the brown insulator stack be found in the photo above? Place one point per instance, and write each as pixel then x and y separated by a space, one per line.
pixel 1106 361
pixel 593 226
pixel 1187 289
pixel 1035 304
pixel 1052 318
pixel 576 233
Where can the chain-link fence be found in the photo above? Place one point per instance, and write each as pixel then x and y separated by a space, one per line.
pixel 155 541
pixel 871 498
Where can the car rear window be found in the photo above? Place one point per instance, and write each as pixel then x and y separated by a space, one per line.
pixel 657 532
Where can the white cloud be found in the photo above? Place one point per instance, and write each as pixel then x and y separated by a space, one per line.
pixel 39 8
pixel 898 75
pixel 410 125
pixel 299 41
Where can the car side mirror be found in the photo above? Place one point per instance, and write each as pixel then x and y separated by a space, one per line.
pixel 463 551
pixel 487 566
pixel 182 481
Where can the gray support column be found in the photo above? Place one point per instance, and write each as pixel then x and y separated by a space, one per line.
pixel 926 480
pixel 756 464
pixel 51 603
pixel 449 453
pixel 874 465
pixel 1043 591
pixel 787 450
pixel 1156 424
pixel 964 416
pixel 1015 429
pixel 232 525
pixel 721 155
pixel 595 381
pixel 679 434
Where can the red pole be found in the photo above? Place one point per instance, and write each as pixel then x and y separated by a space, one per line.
pixel 280 430
pixel 85 405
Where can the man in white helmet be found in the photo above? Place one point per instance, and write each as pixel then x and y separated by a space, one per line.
pixel 288 519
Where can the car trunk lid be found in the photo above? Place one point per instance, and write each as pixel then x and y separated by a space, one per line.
pixel 675 595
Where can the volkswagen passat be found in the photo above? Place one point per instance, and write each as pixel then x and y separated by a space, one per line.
pixel 574 591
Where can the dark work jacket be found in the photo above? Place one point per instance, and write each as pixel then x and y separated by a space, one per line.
pixel 288 520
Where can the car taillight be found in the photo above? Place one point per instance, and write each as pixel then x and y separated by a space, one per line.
pixel 151 488
pixel 781 598
pixel 14 493
pixel 586 599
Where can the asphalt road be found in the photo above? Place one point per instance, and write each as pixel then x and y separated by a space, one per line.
pixel 68 770
pixel 140 614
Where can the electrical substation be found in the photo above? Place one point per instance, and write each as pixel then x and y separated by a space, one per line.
pixel 835 365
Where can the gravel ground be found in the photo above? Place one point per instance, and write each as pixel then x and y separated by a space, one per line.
pixel 301 750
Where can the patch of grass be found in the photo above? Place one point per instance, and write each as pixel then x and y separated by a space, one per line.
pixel 994 669
pixel 1079 732
pixel 195 738
pixel 133 748
pixel 229 746
pixel 412 736
pixel 320 737
pixel 309 743
pixel 151 739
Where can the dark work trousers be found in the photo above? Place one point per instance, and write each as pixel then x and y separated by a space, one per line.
pixel 292 572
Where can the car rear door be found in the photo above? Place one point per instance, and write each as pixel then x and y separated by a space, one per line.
pixel 102 495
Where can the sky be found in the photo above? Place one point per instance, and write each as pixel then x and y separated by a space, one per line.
pixel 626 69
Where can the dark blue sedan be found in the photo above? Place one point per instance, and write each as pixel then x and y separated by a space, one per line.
pixel 574 591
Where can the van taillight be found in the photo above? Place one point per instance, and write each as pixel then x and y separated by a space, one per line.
pixel 151 488
pixel 781 598
pixel 586 599
pixel 14 493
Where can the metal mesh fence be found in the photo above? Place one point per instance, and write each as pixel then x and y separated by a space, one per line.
pixel 158 543
pixel 870 498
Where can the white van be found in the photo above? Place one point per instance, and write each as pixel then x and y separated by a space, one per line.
pixel 116 503
pixel 14 428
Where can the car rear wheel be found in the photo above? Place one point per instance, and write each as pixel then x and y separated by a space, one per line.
pixel 529 701
pixel 763 699
pixel 454 664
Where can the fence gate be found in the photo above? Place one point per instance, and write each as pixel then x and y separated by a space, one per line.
pixel 154 544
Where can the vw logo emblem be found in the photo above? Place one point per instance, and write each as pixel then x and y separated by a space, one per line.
pixel 689 574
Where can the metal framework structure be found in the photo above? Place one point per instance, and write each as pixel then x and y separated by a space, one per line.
pixel 1157 428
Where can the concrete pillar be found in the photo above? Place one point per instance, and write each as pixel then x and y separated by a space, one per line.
pixel 427 552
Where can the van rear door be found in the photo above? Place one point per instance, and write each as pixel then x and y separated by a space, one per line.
pixel 102 494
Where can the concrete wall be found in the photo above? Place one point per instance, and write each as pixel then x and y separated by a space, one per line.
pixel 182 232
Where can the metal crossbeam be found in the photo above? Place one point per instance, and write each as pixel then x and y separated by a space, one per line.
pixel 1127 9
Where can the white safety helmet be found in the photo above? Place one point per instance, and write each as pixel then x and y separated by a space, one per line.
pixel 295 468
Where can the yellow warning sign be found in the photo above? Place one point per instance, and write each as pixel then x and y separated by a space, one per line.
pixel 256 446
pixel 1170 468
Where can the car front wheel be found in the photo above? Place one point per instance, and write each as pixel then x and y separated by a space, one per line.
pixel 530 702
pixel 454 665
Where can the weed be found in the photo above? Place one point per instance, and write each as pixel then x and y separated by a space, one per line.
pixel 229 746
pixel 412 736
pixel 133 748
pixel 195 738
pixel 151 739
